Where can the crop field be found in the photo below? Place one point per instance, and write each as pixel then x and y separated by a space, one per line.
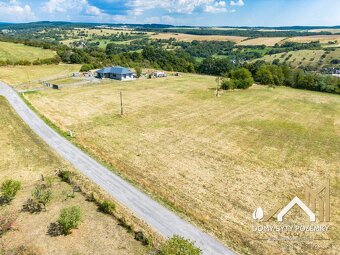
pixel 190 38
pixel 26 77
pixel 297 58
pixel 16 52
pixel 334 30
pixel 268 41
pixel 26 158
pixel 213 159
pixel 321 38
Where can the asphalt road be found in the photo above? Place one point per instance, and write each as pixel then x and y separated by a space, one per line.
pixel 157 216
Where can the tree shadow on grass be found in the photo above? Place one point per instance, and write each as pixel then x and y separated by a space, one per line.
pixel 54 230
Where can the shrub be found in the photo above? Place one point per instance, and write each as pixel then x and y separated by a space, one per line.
pixel 9 189
pixel 178 245
pixel 228 85
pixel 42 195
pixel 86 67
pixel 264 76
pixel 69 219
pixel 107 207
pixel 138 72
pixel 65 176
pixel 242 78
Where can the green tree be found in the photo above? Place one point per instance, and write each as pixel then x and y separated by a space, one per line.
pixel 264 76
pixel 138 71
pixel 242 78
pixel 9 189
pixel 178 245
pixel 278 76
pixel 69 219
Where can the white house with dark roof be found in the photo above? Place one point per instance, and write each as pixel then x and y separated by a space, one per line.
pixel 116 72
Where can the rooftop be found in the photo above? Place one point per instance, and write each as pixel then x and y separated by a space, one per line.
pixel 115 69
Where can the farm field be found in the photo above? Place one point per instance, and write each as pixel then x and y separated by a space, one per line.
pixel 26 158
pixel 321 38
pixel 16 52
pixel 268 41
pixel 214 159
pixel 297 58
pixel 334 30
pixel 190 38
pixel 26 77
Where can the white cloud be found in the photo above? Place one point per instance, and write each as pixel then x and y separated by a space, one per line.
pixel 168 19
pixel 177 6
pixel 238 3
pixel 92 10
pixel 164 20
pixel 218 7
pixel 13 11
pixel 152 20
pixel 72 7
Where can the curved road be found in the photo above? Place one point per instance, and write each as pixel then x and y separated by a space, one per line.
pixel 157 216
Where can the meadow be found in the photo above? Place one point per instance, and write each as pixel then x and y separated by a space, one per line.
pixel 16 52
pixel 190 38
pixel 297 58
pixel 26 158
pixel 321 38
pixel 212 159
pixel 27 77
pixel 268 41
pixel 307 58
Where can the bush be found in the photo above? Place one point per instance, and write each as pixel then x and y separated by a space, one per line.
pixel 69 219
pixel 107 207
pixel 86 67
pixel 65 176
pixel 138 72
pixel 42 195
pixel 9 189
pixel 242 78
pixel 228 85
pixel 177 245
pixel 264 76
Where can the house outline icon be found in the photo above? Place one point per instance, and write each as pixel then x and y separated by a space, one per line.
pixel 296 201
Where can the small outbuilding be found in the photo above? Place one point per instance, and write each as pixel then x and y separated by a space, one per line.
pixel 159 74
pixel 115 72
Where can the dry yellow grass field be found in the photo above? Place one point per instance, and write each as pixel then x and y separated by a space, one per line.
pixel 334 30
pixel 26 77
pixel 214 159
pixel 24 157
pixel 190 38
pixel 321 38
pixel 268 41
pixel 17 51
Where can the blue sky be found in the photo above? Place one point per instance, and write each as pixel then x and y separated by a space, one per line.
pixel 177 12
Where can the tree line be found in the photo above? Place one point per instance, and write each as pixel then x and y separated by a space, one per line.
pixel 182 61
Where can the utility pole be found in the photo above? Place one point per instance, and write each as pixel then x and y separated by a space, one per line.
pixel 121 104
